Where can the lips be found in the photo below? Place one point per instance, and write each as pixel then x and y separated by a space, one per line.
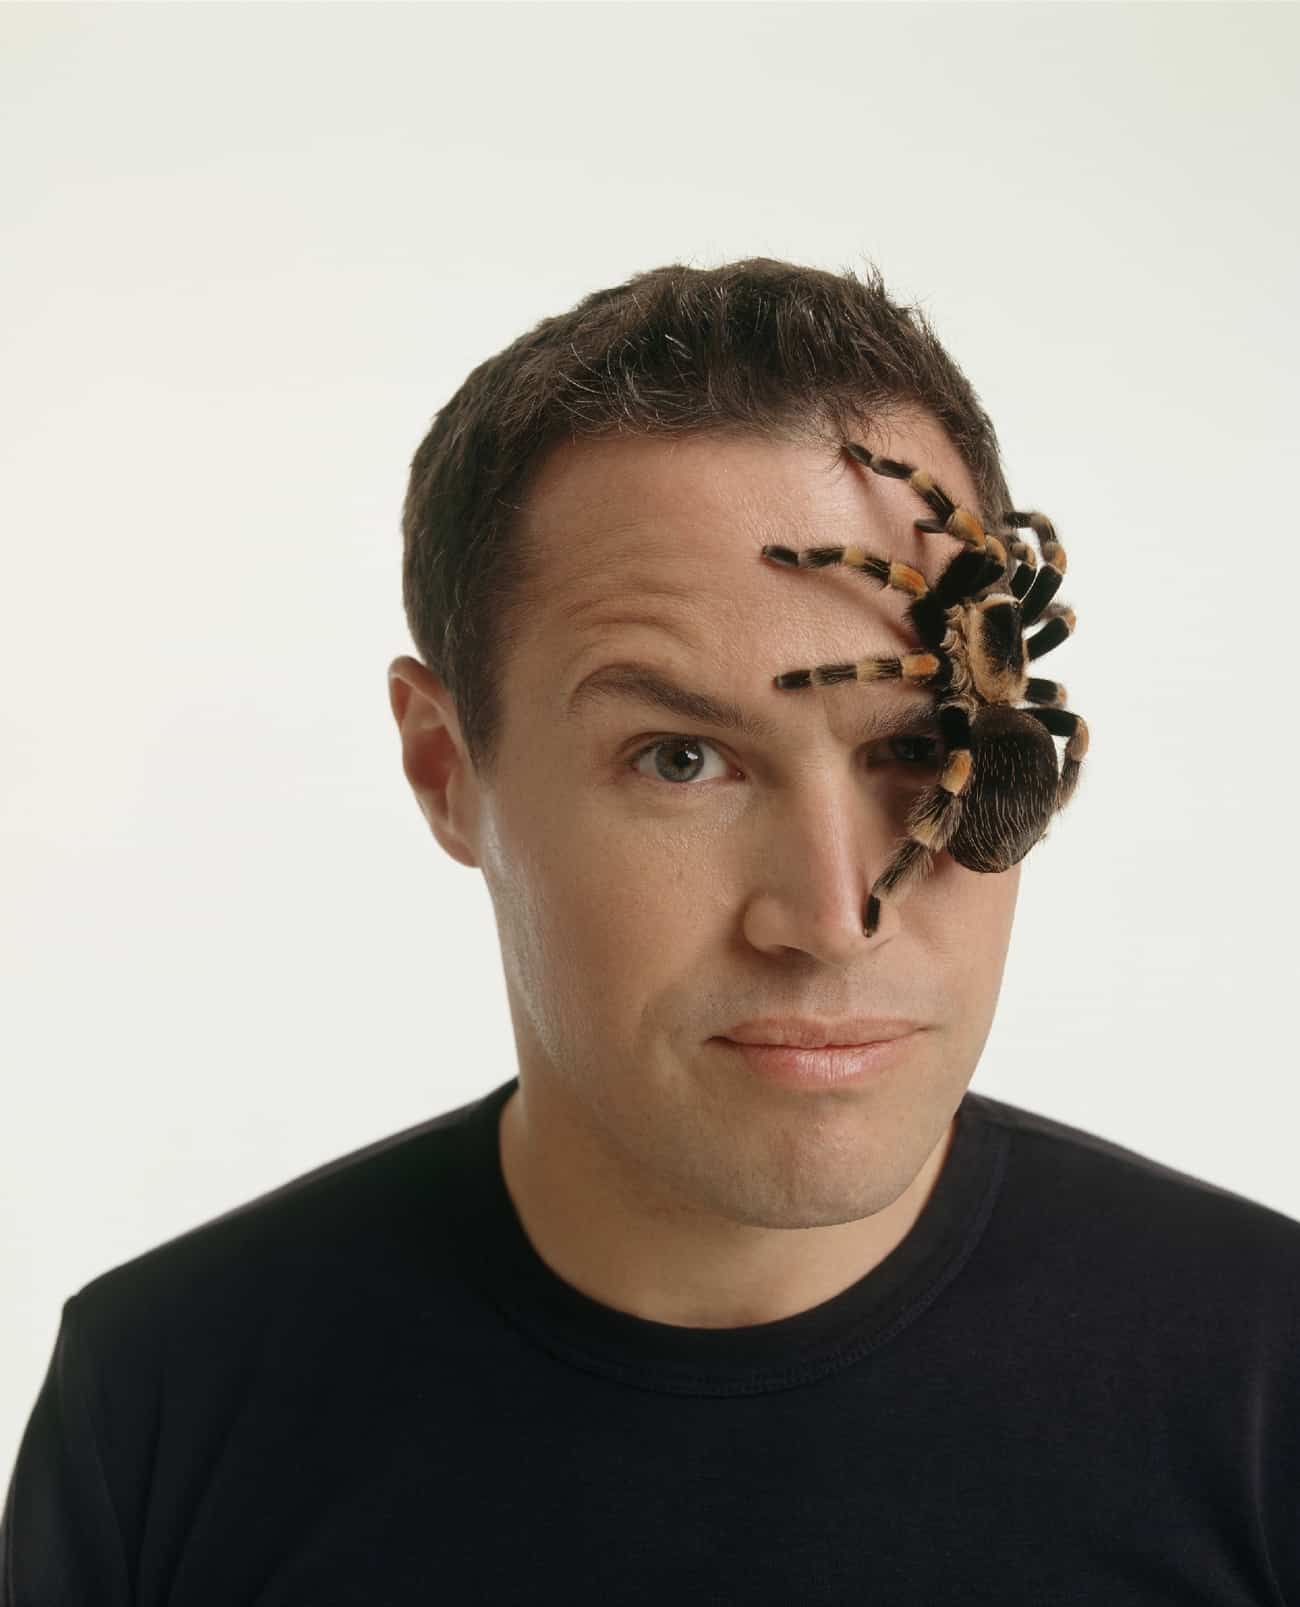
pixel 830 1068
pixel 799 1033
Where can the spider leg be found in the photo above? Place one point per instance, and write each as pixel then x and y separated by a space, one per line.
pixel 1036 595
pixel 962 577
pixel 1022 577
pixel 1022 565
pixel 901 577
pixel 952 519
pixel 931 820
pixel 1057 629
pixel 1040 691
pixel 1039 523
pixel 966 532
pixel 932 670
pixel 1034 591
pixel 967 573
pixel 1061 723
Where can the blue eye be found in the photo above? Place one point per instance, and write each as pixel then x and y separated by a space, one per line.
pixel 680 752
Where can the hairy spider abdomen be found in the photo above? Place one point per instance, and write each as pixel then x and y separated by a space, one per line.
pixel 1011 794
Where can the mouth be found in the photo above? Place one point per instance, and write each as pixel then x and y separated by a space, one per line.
pixel 825 1066
pixel 803 1033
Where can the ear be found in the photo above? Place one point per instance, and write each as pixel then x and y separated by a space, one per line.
pixel 434 757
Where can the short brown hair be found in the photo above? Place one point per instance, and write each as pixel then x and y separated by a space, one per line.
pixel 760 346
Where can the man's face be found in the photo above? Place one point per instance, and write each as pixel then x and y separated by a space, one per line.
pixel 649 898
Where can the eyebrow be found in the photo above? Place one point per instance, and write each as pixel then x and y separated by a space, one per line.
pixel 641 683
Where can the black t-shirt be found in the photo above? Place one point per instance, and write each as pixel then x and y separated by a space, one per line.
pixel 1076 1380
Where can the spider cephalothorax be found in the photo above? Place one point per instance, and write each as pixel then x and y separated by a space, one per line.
pixel 1000 784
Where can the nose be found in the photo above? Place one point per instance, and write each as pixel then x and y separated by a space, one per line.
pixel 814 869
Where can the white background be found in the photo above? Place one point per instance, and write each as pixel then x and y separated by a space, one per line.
pixel 248 250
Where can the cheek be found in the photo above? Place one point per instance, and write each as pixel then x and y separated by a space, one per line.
pixel 964 917
pixel 628 919
pixel 592 929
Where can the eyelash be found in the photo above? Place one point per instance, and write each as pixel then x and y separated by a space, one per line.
pixel 702 742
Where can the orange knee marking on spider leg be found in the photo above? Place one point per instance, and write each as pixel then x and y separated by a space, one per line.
pixel 905 578
pixel 965 525
pixel 997 550
pixel 856 557
pixel 956 773
pixel 1077 746
pixel 917 665
pixel 874 669
pixel 920 481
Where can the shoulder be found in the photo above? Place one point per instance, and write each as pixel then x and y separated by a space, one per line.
pixel 1100 1202
pixel 352 1210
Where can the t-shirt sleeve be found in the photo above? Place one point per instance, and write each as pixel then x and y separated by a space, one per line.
pixel 60 1539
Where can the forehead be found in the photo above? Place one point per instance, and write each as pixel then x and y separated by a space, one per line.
pixel 655 542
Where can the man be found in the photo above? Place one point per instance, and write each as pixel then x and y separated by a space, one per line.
pixel 664 1318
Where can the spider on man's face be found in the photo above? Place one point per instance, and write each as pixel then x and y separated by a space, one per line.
pixel 1000 784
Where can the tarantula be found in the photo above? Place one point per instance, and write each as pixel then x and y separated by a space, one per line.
pixel 999 786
